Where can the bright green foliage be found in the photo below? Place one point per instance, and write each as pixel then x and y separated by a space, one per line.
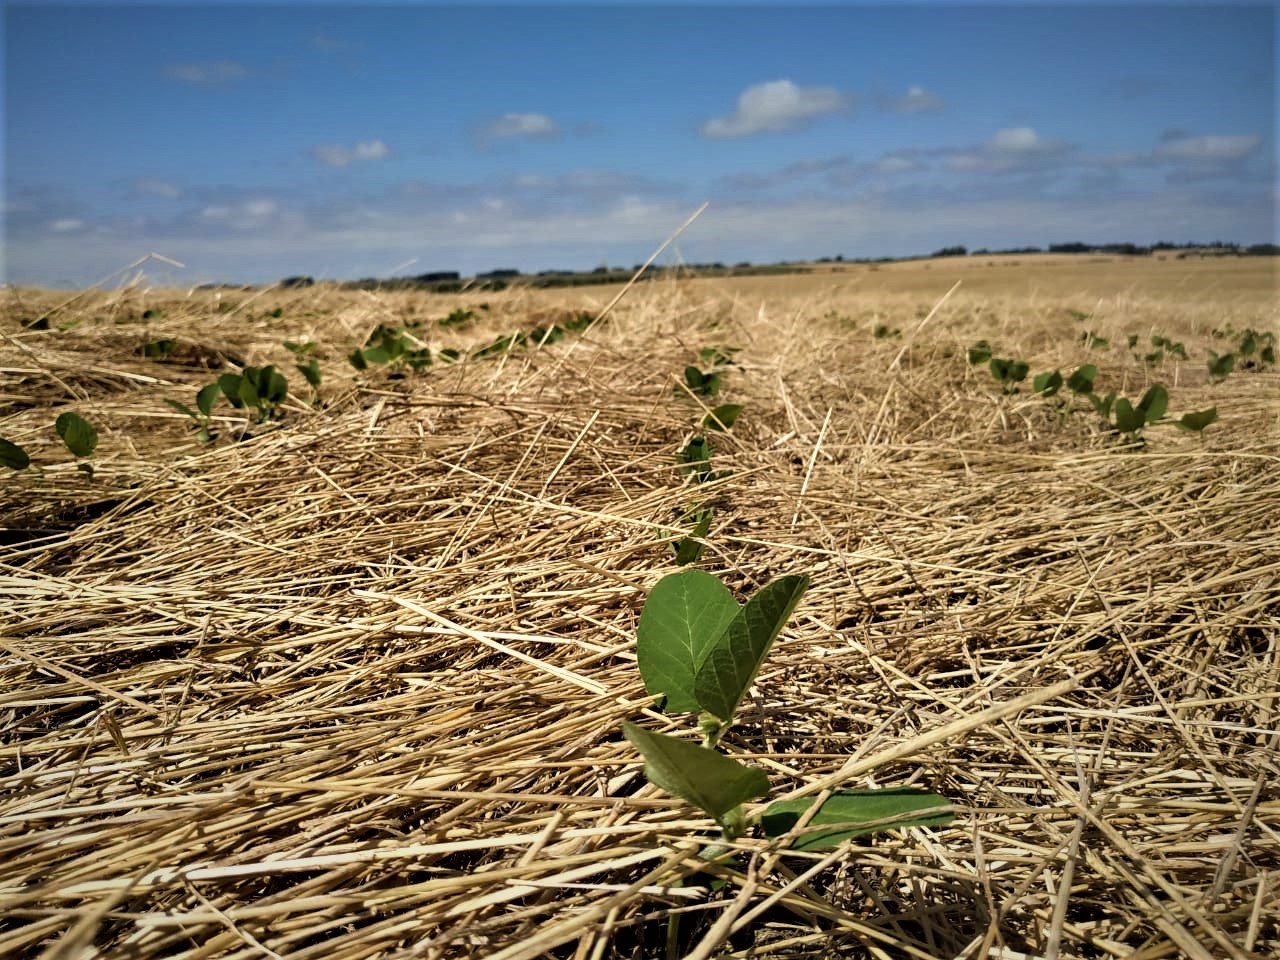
pixel 688 549
pixel 1127 419
pixel 13 456
pixel 391 346
pixel 1009 372
pixel 684 616
pixel 852 813
pixel 700 384
pixel 205 399
pixel 695 460
pixel 1154 403
pixel 1165 345
pixel 1047 383
pixel 1082 380
pixel 1197 421
pixel 731 662
pixel 311 373
pixel 722 417
pixel 458 317
pixel 709 780
pixel 980 352
pixel 261 389
pixel 700 650
pixel 77 433
pixel 1220 367
pixel 1102 405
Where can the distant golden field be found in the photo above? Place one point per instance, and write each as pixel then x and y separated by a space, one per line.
pixel 342 672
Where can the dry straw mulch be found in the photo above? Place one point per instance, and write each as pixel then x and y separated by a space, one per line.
pixel 352 687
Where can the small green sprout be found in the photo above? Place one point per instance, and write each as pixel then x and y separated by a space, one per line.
pixel 1009 372
pixel 698 383
pixel 79 436
pixel 1220 367
pixel 202 414
pixel 1093 340
pixel 1047 384
pixel 883 331
pixel 689 549
pixel 980 352
pixel 159 349
pixel 722 417
pixel 260 388
pixel 698 650
pixel 13 456
pixel 1197 422
pixel 1081 382
pixel 695 460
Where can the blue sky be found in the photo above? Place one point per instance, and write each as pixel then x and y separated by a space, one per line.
pixel 253 141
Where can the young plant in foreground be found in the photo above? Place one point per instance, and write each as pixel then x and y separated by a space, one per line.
pixel 1010 373
pixel 80 438
pixel 260 388
pixel 699 650
pixel 203 413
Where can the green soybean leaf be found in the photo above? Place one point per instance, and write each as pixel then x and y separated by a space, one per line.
pixel 1000 368
pixel 709 780
pixel 722 417
pixel 729 667
pixel 229 384
pixel 77 433
pixel 1197 421
pixel 311 373
pixel 1220 367
pixel 688 550
pixel 247 392
pixel 852 813
pixel 277 387
pixel 1154 403
pixel 1018 370
pixel 182 408
pixel 1128 420
pixel 684 615
pixel 1102 404
pixel 1082 380
pixel 980 352
pixel 13 456
pixel 357 360
pixel 207 397
pixel 1047 383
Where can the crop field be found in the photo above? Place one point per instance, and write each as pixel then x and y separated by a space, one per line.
pixel 921 610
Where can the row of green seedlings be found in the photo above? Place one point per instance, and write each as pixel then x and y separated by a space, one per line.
pixel 1118 413
pixel 264 389
pixel 699 651
pixel 1254 350
pixel 77 435
pixel 398 348
pixel 694 459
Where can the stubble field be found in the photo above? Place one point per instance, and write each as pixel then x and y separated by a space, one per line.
pixel 350 682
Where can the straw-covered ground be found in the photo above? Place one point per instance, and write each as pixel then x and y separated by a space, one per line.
pixel 351 683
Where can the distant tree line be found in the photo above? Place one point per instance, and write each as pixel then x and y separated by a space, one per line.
pixel 452 281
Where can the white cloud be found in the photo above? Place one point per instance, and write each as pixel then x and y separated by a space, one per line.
pixel 337 155
pixel 916 100
pixel 67 225
pixel 1009 149
pixel 211 74
pixel 371 150
pixel 522 125
pixel 1211 148
pixel 774 106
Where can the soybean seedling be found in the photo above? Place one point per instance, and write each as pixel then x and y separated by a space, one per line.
pixel 261 388
pixel 203 413
pixel 13 456
pixel 1010 373
pixel 80 438
pixel 699 650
